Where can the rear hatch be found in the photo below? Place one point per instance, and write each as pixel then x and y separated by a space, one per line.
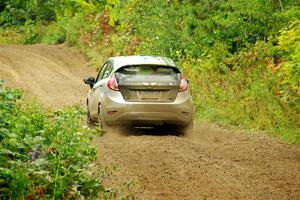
pixel 148 83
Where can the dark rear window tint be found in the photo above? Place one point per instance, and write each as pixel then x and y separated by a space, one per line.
pixel 148 70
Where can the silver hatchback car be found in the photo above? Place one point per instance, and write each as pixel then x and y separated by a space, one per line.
pixel 141 91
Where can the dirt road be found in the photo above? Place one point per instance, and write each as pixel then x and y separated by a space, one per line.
pixel 209 163
pixel 52 74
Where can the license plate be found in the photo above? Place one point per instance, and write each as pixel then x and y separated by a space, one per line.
pixel 148 95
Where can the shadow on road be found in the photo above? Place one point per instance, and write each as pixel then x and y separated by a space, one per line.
pixel 148 131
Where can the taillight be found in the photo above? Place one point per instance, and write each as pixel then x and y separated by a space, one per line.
pixel 112 83
pixel 183 84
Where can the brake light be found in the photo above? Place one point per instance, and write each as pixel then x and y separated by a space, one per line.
pixel 112 83
pixel 183 84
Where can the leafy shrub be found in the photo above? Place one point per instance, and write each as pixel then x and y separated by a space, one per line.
pixel 32 32
pixel 10 36
pixel 55 34
pixel 289 69
pixel 244 93
pixel 18 12
pixel 44 155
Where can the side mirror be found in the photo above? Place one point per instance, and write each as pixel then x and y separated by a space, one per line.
pixel 90 81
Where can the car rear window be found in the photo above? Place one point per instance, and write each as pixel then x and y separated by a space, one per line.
pixel 148 70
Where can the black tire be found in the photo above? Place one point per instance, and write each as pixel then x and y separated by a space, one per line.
pixel 101 122
pixel 89 121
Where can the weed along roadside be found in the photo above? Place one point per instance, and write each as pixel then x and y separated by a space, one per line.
pixel 44 155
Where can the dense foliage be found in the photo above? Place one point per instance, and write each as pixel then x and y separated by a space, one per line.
pixel 37 157
pixel 17 12
pixel 242 57
pixel 193 27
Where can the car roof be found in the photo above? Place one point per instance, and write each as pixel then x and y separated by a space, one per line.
pixel 121 61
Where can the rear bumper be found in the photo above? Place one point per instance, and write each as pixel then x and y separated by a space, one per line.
pixel 117 111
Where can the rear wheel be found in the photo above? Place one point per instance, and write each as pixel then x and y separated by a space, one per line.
pixel 89 121
pixel 101 122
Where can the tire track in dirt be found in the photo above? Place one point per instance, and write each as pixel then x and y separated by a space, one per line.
pixel 208 163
